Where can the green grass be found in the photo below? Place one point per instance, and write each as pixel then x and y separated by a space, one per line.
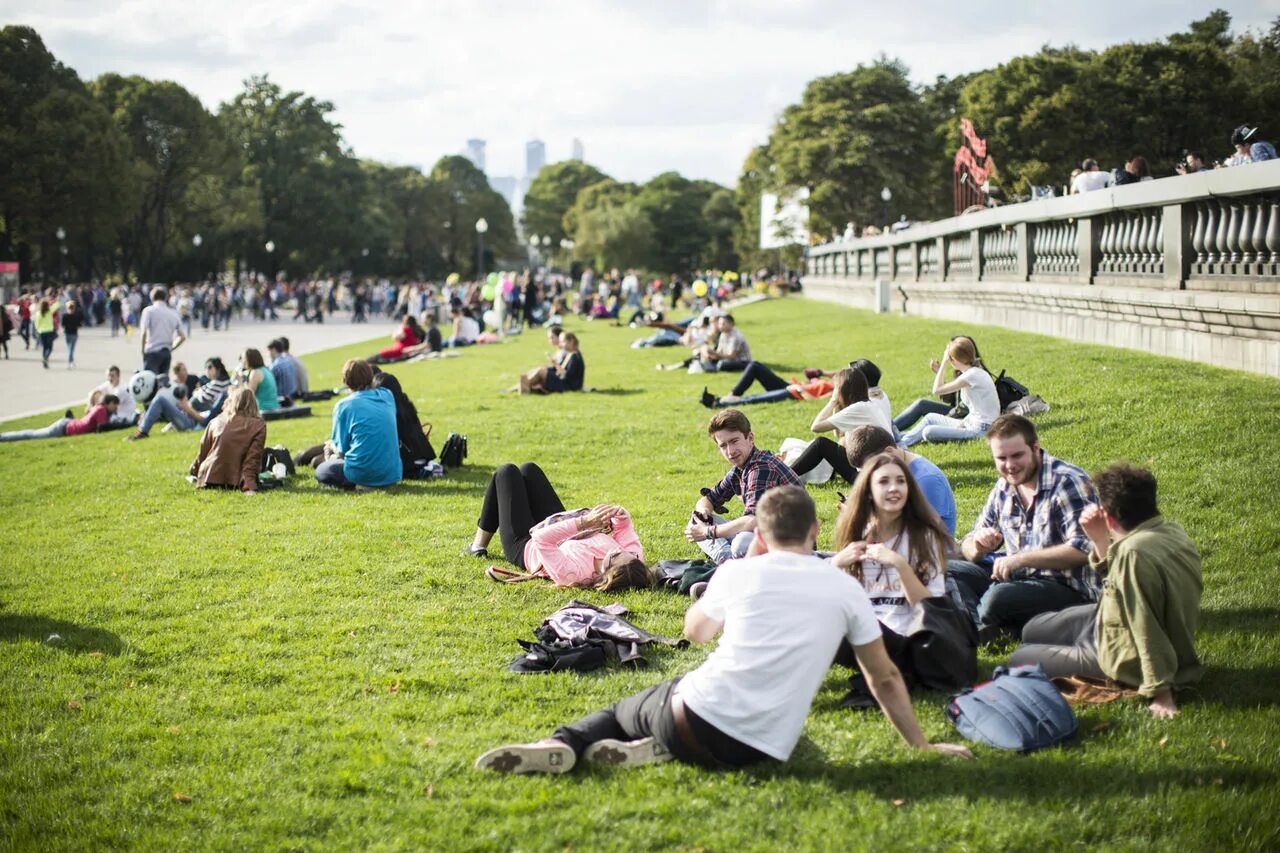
pixel 318 670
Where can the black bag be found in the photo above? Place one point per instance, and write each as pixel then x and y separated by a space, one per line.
pixel 559 655
pixel 941 646
pixel 1009 390
pixel 272 455
pixel 454 451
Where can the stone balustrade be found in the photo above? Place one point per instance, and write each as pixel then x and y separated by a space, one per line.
pixel 1186 266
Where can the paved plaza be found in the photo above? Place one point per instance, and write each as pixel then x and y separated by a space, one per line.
pixel 29 389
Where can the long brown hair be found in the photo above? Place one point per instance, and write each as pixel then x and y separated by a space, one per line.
pixel 851 387
pixel 927 537
pixel 629 573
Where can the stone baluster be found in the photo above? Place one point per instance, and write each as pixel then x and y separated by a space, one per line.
pixel 1197 236
pixel 1233 234
pixel 1107 244
pixel 1259 237
pixel 1220 239
pixel 1246 232
pixel 1157 240
pixel 1273 235
pixel 1060 247
pixel 1212 219
pixel 1133 225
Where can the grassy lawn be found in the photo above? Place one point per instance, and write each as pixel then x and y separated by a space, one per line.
pixel 309 669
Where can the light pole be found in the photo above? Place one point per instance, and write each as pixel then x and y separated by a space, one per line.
pixel 546 250
pixel 533 247
pixel 886 195
pixel 61 234
pixel 195 242
pixel 567 245
pixel 481 227
pixel 270 246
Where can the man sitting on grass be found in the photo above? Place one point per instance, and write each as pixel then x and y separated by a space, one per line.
pixel 1033 511
pixel 730 351
pixel 754 472
pixel 783 613
pixel 1142 633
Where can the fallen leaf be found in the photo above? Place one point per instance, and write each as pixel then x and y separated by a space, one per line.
pixel 95 654
pixel 428 742
pixel 1219 782
pixel 429 790
pixel 395 688
pixel 173 730
pixel 898 802
pixel 74 705
pixel 1101 727
pixel 1220 743
pixel 181 797
pixel 1164 741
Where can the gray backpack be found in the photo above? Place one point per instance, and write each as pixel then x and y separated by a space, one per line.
pixel 1018 709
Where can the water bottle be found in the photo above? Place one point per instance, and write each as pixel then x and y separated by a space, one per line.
pixel 279 471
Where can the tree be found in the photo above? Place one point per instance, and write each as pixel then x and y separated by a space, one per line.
pixel 606 191
pixel 616 235
pixel 722 217
pixel 674 206
pixel 552 193
pixel 852 134
pixel 467 198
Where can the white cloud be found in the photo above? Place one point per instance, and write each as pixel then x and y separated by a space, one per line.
pixel 648 86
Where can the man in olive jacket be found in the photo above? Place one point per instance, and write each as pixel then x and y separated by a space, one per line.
pixel 1142 632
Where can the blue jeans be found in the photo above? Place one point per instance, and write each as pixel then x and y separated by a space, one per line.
pixel 935 428
pixel 454 343
pixel 724 364
pixel 163 408
pixel 720 550
pixel 46 344
pixel 661 338
pixel 1006 604
pixel 57 429
pixel 918 410
pixel 331 473
pixel 764 397
pixel 71 347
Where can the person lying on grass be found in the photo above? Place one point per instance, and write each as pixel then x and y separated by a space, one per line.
pixel 1142 633
pixel 66 425
pixel 754 472
pixel 815 385
pixel 849 407
pixel 783 612
pixel 231 448
pixel 595 547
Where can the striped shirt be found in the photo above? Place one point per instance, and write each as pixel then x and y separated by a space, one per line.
pixel 206 394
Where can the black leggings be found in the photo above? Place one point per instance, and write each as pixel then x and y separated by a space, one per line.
pixel 516 500
pixel 757 372
pixel 821 449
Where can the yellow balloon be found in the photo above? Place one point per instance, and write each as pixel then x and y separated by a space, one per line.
pixel 453 278
pixel 700 288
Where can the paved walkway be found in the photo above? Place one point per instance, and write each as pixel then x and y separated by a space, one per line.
pixel 26 388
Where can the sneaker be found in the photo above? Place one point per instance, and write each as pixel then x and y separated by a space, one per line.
pixel 708 399
pixel 138 436
pixel 473 551
pixel 627 753
pixel 696 367
pixel 696 590
pixel 542 757
pixel 68 414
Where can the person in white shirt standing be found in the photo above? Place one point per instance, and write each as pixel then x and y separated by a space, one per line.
pixel 977 392
pixel 1090 178
pixel 161 333
pixel 783 612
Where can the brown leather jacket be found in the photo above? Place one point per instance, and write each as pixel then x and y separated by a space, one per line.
pixel 231 453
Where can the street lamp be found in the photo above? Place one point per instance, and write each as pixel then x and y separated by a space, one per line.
pixel 885 196
pixel 533 247
pixel 197 240
pixel 481 227
pixel 61 234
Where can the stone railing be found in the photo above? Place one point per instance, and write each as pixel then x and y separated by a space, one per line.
pixel 1186 266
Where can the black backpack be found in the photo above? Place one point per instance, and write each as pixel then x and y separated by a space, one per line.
pixel 454 451
pixel 272 455
pixel 1009 390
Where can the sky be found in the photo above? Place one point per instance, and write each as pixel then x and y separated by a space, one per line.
pixel 686 85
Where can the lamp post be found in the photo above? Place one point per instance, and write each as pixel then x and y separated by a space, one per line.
pixel 534 243
pixel 546 250
pixel 270 246
pixel 481 227
pixel 61 234
pixel 886 195
pixel 195 243
pixel 567 245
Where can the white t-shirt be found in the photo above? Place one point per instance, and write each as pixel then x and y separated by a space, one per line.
pixel 881 399
pixel 468 329
pixel 1089 181
pixel 784 616
pixel 867 413
pixel 128 408
pixel 160 323
pixel 884 588
pixel 980 396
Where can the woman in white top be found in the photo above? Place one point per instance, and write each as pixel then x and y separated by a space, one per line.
pixel 892 541
pixel 850 407
pixel 977 392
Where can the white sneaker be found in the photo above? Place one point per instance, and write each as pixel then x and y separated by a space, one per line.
pixel 696 367
pixel 541 757
pixel 629 753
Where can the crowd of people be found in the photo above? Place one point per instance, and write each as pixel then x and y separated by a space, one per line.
pixel 1084 572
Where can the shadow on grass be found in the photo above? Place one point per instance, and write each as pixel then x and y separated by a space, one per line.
pixel 18 627
pixel 615 392
pixel 1253 620
pixel 1229 687
pixel 1015 779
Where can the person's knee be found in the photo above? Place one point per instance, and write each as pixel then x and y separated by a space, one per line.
pixel 531 469
pixel 742 543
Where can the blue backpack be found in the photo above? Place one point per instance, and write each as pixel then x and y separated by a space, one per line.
pixel 1019 709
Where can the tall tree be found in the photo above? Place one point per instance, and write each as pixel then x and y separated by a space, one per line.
pixel 552 193
pixel 674 206
pixel 720 212
pixel 467 198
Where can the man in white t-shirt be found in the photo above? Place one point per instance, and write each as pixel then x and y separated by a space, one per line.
pixel 783 612
pixel 1090 178
pixel 127 412
pixel 161 333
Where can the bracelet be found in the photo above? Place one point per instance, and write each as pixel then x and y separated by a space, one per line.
pixel 713 535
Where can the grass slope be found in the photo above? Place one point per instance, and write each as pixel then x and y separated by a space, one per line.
pixel 318 670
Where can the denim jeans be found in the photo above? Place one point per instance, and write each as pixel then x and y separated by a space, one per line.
pixel 57 429
pixel 720 550
pixel 71 347
pixel 726 364
pixel 46 344
pixel 454 343
pixel 331 473
pixel 935 428
pixel 763 397
pixel 163 408
pixel 661 338
pixel 918 410
pixel 756 371
pixel 1007 604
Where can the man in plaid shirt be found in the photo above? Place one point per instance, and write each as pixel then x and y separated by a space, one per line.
pixel 1034 511
pixel 754 472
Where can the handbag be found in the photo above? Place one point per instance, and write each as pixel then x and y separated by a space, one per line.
pixel 941 649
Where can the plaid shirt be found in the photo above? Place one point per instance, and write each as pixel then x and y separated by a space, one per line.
pixel 1062 493
pixel 763 471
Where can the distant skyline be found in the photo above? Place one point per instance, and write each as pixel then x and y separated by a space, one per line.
pixel 650 86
